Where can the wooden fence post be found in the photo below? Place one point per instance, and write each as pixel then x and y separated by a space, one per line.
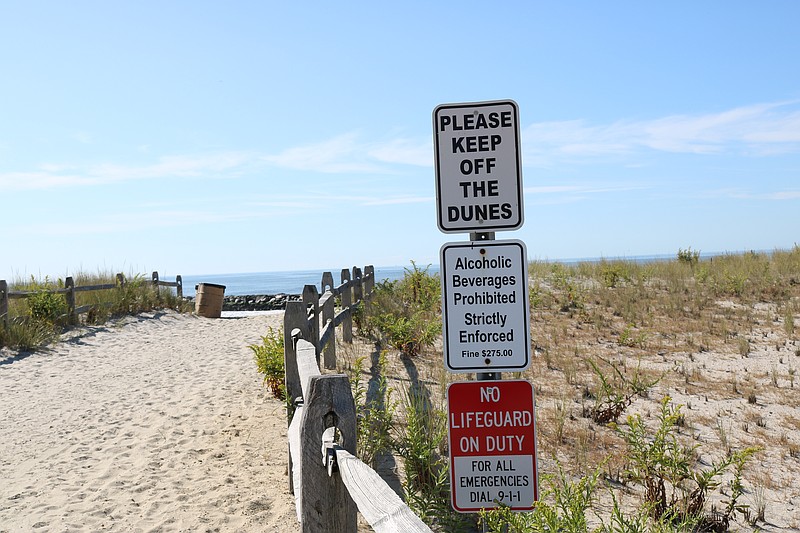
pixel 294 318
pixel 69 284
pixel 368 284
pixel 328 322
pixel 179 286
pixel 311 300
pixel 327 506
pixel 4 302
pixel 327 283
pixel 155 282
pixel 357 289
pixel 121 280
pixel 369 279
pixel 347 301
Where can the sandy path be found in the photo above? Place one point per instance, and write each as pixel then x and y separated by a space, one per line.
pixel 157 424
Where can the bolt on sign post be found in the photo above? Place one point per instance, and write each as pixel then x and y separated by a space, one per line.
pixel 485 314
pixel 478 167
pixel 492 439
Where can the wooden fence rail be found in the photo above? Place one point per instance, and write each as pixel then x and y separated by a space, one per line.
pixel 329 482
pixel 69 291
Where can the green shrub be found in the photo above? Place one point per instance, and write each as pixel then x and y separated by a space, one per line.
pixel 570 294
pixel 406 313
pixel 616 393
pixel 676 489
pixel 614 272
pixel 420 441
pixel 269 362
pixel 688 256
pixel 562 507
pixel 45 305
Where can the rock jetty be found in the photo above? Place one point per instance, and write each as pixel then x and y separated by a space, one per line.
pixel 257 302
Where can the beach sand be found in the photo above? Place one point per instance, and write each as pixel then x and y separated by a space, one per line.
pixel 154 423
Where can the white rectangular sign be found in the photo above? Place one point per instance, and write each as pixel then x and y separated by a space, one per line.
pixel 478 167
pixel 485 306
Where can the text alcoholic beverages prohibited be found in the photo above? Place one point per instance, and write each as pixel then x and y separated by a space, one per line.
pixel 485 315
pixel 492 443
pixel 478 167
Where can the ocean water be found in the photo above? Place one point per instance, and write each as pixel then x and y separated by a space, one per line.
pixel 292 282
pixel 289 282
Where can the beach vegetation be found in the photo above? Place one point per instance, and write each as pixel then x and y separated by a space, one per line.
pixel 421 441
pixel 26 335
pixel 608 336
pixel 613 273
pixel 616 390
pixel 676 493
pixel 375 410
pixel 688 256
pixel 563 506
pixel 269 358
pixel 404 314
pixel 39 318
pixel 676 488
pixel 45 305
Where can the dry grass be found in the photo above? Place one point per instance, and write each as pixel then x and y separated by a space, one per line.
pixel 717 333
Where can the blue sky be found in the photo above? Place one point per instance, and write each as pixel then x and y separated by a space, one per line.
pixel 210 137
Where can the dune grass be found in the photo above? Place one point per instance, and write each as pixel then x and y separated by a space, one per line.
pixel 37 320
pixel 665 394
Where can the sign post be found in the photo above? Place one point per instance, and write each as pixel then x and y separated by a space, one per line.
pixel 492 438
pixel 486 322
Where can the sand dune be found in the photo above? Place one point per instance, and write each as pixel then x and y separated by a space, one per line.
pixel 156 423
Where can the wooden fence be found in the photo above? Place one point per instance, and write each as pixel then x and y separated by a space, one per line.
pixel 69 291
pixel 328 481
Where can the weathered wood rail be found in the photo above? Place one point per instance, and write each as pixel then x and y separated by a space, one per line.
pixel 70 289
pixel 329 482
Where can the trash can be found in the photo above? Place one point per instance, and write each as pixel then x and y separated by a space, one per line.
pixel 208 299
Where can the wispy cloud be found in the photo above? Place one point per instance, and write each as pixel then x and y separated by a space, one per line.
pixel 404 151
pixel 582 189
pixel 340 154
pixel 48 176
pixel 136 221
pixel 401 200
pixel 348 153
pixel 759 129
pixel 567 194
pixel 315 200
pixel 741 194
pixel 756 130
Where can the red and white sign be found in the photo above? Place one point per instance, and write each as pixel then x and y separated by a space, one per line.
pixel 492 437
